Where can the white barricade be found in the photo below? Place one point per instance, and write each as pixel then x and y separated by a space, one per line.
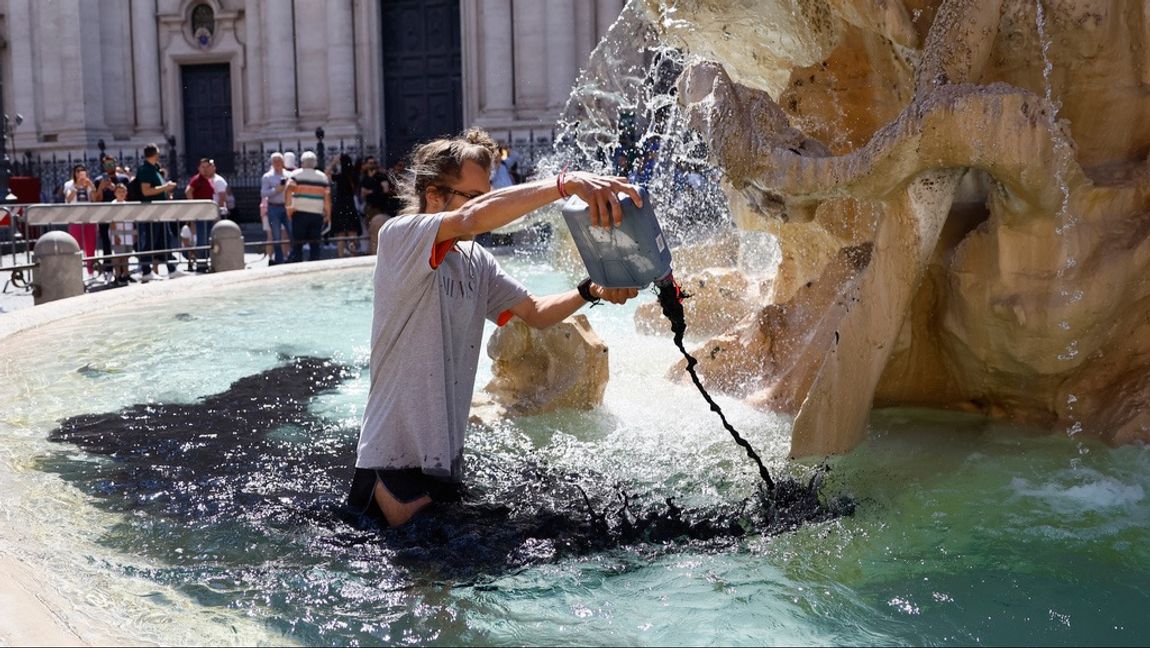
pixel 128 212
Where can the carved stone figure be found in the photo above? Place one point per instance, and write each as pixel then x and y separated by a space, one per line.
pixel 962 197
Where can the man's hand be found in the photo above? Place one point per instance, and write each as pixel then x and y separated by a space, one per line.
pixel 613 295
pixel 599 192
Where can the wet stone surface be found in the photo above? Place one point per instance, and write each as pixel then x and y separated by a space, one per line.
pixel 244 491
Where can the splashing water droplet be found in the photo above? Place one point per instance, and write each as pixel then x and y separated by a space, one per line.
pixel 1071 351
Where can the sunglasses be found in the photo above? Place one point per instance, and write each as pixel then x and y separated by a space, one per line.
pixel 461 194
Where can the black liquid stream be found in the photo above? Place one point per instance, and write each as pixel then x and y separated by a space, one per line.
pixel 671 298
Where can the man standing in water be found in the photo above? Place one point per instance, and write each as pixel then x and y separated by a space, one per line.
pixel 433 289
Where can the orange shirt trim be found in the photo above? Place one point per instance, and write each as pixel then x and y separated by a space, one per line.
pixel 439 252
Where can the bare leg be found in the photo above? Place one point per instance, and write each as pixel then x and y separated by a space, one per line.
pixel 394 511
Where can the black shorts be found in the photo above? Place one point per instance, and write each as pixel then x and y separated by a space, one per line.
pixel 407 485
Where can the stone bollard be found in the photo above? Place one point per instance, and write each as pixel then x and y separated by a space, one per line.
pixel 59 272
pixel 563 366
pixel 227 246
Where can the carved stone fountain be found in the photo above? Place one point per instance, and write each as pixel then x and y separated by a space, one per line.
pixel 960 190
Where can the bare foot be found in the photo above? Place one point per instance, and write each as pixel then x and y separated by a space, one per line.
pixel 394 511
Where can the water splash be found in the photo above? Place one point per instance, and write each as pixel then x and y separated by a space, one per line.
pixel 1065 221
pixel 250 472
pixel 623 118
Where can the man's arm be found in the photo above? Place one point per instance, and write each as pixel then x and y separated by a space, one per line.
pixel 98 195
pixel 541 312
pixel 289 193
pixel 268 186
pixel 149 190
pixel 498 208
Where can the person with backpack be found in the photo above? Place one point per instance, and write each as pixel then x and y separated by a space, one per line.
pixel 150 186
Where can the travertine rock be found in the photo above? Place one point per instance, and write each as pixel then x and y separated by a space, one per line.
pixel 988 156
pixel 537 371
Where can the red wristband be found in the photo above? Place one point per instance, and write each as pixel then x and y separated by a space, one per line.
pixel 559 183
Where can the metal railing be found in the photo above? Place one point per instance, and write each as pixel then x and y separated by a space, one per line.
pixel 242 167
pixel 29 222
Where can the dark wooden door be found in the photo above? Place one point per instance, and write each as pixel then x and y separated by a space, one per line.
pixel 422 72
pixel 207 117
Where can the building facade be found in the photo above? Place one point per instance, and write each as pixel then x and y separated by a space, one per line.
pixel 218 76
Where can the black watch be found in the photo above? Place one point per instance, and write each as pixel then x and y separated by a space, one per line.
pixel 585 291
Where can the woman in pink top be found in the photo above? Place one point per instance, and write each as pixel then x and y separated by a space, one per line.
pixel 81 189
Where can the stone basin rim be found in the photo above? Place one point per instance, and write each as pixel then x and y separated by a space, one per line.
pixel 154 292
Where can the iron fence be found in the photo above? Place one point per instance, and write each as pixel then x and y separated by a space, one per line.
pixel 155 245
pixel 243 167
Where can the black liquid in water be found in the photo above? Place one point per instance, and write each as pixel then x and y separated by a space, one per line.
pixel 241 497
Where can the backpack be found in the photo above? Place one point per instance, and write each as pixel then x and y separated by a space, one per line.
pixel 135 192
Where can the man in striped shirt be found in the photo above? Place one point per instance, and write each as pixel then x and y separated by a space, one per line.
pixel 308 200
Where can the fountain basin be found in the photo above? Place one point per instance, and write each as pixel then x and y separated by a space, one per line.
pixel 967 530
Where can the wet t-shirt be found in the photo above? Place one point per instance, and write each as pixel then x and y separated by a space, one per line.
pixel 430 305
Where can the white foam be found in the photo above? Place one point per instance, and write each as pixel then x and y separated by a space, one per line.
pixel 1101 492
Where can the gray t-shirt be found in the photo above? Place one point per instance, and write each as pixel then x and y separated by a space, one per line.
pixel 426 336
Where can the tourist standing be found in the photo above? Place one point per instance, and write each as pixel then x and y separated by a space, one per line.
pixel 273 186
pixel 122 238
pixel 222 194
pixel 224 202
pixel 377 191
pixel 106 192
pixel 200 187
pixel 81 190
pixel 153 188
pixel 308 201
pixel 345 217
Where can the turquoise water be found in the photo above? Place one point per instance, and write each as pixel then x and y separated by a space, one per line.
pixel 967 531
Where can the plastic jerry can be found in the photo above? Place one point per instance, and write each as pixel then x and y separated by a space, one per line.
pixel 632 255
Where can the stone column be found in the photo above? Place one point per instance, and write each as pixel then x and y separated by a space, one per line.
pixel 340 64
pixel 24 83
pixel 52 56
pixel 495 60
pixel 586 32
pixel 112 68
pixel 255 61
pixel 279 66
pixel 530 60
pixel 311 53
pixel 560 54
pixel 89 81
pixel 146 68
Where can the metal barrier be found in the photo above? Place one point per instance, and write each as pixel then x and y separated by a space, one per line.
pixel 153 225
pixel 55 260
